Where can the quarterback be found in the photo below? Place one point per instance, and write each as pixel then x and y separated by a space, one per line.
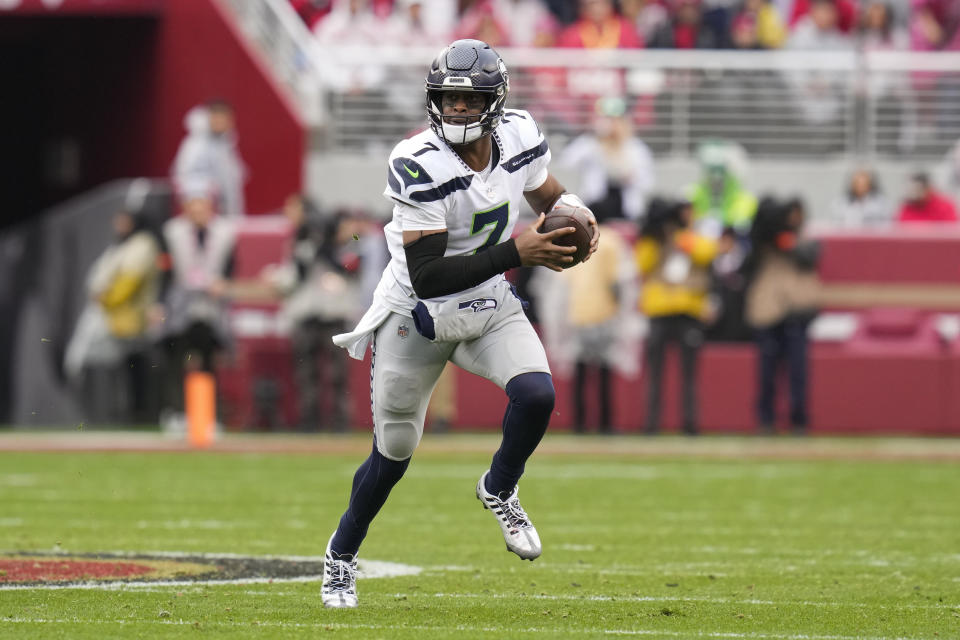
pixel 455 190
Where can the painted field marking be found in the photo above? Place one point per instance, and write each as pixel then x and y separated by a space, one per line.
pixel 566 631
pixel 366 569
pixel 691 599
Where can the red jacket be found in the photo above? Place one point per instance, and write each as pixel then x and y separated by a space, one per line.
pixel 936 208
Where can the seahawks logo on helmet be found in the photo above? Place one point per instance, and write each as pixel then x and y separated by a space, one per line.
pixel 467 65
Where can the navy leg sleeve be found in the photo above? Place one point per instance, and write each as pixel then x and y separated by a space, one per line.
pixel 531 397
pixel 371 485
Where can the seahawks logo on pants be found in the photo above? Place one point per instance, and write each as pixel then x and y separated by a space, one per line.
pixel 478 305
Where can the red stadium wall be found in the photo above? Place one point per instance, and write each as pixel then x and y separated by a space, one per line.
pixel 200 55
pixel 113 79
pixel 894 375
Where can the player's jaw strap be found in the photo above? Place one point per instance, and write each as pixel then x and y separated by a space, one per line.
pixel 432 274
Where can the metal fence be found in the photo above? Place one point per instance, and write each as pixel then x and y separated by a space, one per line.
pixel 782 104
pixel 776 104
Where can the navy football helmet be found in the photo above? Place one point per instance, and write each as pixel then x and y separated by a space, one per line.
pixel 467 65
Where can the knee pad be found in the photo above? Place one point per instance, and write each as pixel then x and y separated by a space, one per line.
pixel 532 390
pixel 398 440
pixel 400 392
pixel 400 403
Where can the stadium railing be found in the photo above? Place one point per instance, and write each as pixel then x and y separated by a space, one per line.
pixel 777 104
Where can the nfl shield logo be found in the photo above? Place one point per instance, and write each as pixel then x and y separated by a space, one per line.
pixel 403 331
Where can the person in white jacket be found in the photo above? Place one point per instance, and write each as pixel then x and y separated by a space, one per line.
pixel 208 155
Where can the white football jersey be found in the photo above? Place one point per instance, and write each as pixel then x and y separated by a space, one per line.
pixel 431 187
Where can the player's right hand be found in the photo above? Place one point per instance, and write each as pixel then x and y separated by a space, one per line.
pixel 537 249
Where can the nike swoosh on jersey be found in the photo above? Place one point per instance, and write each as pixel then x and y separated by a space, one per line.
pixel 413 174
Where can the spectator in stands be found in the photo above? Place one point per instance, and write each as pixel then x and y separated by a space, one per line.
pixel 319 299
pixel 846 13
pixel 200 246
pixel 820 95
pixel 877 29
pixel 107 355
pixel 353 23
pixel 600 27
pixel 416 22
pixel 819 30
pixel 312 11
pixel 674 263
pixel 518 23
pixel 688 29
pixel 648 16
pixel 614 166
pixel 935 25
pixel 863 205
pixel 208 157
pixel 926 204
pixel 482 22
pixel 720 201
pixel 782 299
pixel 758 26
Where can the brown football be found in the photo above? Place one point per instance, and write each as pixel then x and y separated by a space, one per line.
pixel 579 219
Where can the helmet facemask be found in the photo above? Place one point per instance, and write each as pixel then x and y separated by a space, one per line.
pixel 459 129
pixel 470 67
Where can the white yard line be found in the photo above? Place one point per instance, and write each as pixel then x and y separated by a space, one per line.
pixel 690 599
pixel 508 631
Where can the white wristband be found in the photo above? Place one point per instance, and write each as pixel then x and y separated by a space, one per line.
pixel 569 200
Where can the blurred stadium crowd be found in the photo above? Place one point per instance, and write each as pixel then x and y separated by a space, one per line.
pixel 921 25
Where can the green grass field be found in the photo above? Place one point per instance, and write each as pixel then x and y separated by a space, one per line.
pixel 660 538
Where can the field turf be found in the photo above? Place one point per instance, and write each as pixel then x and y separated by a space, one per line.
pixel 660 538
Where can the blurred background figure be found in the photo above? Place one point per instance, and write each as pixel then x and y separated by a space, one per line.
pixel 509 23
pixel 820 95
pixel 208 158
pixel 925 204
pixel 320 292
pixel 647 16
pixel 720 200
pixel 674 264
pixel 601 297
pixel 689 29
pixel 782 300
pixel 758 25
pixel 877 28
pixel 614 166
pixel 195 318
pixel 599 26
pixel 591 326
pixel 863 205
pixel 419 22
pixel 106 360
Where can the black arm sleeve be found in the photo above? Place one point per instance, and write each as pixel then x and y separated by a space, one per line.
pixel 434 275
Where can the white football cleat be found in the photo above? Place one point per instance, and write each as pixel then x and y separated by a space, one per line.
pixel 519 533
pixel 339 590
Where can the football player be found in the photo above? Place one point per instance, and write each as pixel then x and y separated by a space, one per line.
pixel 456 191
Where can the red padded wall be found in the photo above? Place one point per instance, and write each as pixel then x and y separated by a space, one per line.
pixel 200 56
